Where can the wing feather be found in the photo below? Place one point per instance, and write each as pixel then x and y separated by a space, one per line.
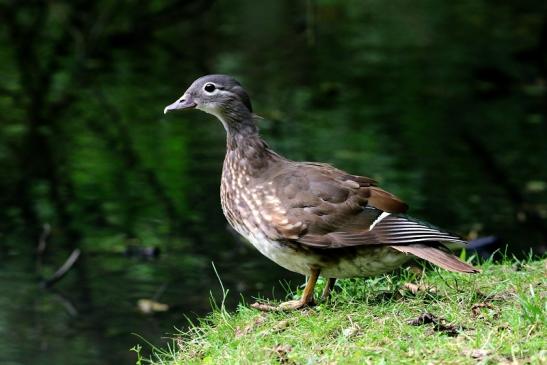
pixel 392 230
pixel 437 256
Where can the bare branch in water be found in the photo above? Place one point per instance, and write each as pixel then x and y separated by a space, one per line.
pixel 63 270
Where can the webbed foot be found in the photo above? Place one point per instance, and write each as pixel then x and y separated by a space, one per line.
pixel 285 306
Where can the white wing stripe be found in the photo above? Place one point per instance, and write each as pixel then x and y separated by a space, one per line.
pixel 378 220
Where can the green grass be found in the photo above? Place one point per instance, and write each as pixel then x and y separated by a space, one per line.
pixel 497 316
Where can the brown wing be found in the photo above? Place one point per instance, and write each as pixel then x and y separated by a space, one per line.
pixel 324 208
pixel 308 199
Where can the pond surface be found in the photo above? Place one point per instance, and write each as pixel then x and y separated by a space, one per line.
pixel 92 316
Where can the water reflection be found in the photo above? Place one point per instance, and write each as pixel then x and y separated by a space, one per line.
pixel 89 316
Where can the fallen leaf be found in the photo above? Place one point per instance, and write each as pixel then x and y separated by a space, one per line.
pixel 282 352
pixel 439 324
pixel 477 354
pixel 415 288
pixel 476 308
pixel 148 306
pixel 423 318
pixel 280 326
pixel 257 321
pixel 351 331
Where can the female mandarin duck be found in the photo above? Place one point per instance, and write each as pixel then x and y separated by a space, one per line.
pixel 308 217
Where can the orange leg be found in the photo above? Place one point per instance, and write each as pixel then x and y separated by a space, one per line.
pixel 305 300
pixel 307 296
pixel 328 288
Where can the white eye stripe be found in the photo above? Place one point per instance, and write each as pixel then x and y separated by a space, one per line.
pixel 217 90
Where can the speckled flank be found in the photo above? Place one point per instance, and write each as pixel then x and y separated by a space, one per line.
pixel 368 261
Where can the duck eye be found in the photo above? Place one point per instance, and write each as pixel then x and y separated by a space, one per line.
pixel 209 88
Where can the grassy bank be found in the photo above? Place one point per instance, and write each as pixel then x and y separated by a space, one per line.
pixel 413 317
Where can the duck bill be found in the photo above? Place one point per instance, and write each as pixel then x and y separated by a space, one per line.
pixel 181 104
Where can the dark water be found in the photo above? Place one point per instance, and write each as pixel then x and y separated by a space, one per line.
pixel 91 315
pixel 444 103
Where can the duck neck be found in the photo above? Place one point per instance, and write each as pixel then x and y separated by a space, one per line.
pixel 245 148
pixel 241 131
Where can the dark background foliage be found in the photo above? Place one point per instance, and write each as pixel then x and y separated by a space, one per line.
pixel 444 103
